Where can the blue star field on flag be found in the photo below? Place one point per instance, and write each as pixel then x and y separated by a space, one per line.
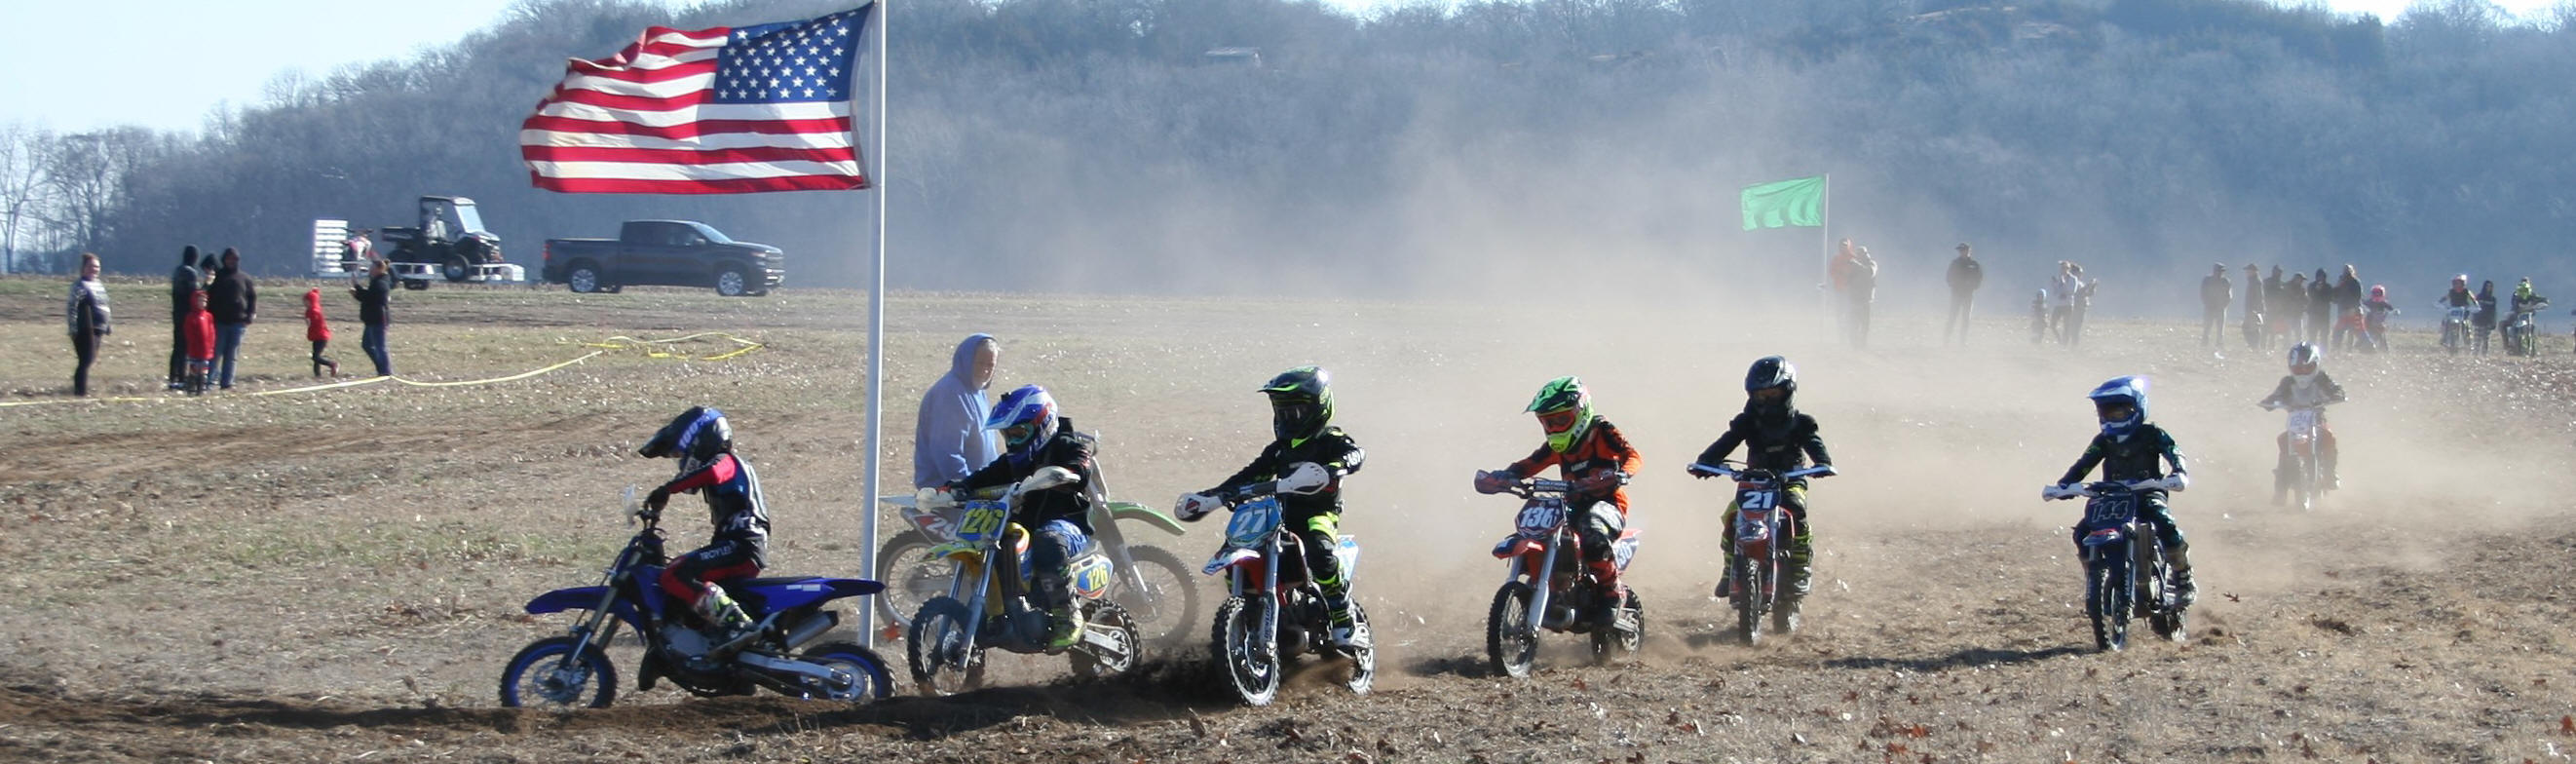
pixel 788 61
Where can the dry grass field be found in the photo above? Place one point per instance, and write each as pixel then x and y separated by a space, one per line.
pixel 337 575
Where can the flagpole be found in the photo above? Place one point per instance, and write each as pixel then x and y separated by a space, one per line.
pixel 876 337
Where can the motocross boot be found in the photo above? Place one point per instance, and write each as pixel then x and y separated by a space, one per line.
pixel 1607 594
pixel 724 619
pixel 1064 628
pixel 2185 591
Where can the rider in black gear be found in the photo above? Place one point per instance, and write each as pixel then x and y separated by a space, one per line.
pixel 1778 438
pixel 1301 415
pixel 2127 450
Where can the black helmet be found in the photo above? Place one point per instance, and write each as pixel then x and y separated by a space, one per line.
pixel 695 437
pixel 1301 403
pixel 1771 372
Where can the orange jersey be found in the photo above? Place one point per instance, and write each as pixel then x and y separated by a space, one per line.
pixel 1601 449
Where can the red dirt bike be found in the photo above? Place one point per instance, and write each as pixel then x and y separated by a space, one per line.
pixel 2301 473
pixel 1760 539
pixel 1547 586
pixel 1274 611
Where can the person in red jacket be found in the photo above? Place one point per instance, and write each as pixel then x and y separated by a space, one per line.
pixel 198 328
pixel 1591 454
pixel 318 331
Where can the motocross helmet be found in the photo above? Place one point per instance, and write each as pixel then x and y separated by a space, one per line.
pixel 2304 358
pixel 1301 403
pixel 1026 417
pixel 2121 404
pixel 1564 411
pixel 694 437
pixel 2379 291
pixel 1769 386
pixel 2460 281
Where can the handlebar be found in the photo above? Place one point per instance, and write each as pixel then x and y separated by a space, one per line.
pixel 2054 492
pixel 1733 472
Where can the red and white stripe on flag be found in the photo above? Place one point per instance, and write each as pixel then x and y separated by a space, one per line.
pixel 712 111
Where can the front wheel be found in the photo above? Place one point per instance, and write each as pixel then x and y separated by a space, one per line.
pixel 911 576
pixel 2106 595
pixel 1169 600
pixel 1511 642
pixel 867 676
pixel 733 281
pixel 455 269
pixel 1752 595
pixel 1105 619
pixel 559 673
pixel 943 661
pixel 1251 660
pixel 1617 641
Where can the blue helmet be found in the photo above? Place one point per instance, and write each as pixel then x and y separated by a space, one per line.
pixel 694 437
pixel 2122 405
pixel 1026 417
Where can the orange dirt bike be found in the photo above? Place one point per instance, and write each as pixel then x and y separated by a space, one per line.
pixel 1547 586
pixel 2300 475
pixel 1760 539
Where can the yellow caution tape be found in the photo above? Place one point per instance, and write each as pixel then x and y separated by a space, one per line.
pixel 604 346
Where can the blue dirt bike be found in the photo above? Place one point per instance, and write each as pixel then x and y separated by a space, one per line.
pixel 2126 574
pixel 573 670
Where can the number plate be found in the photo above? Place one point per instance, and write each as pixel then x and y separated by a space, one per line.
pixel 1253 520
pixel 2303 420
pixel 1541 517
pixel 984 520
pixel 1757 500
pixel 2115 509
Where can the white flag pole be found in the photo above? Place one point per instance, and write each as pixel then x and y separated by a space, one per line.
pixel 876 337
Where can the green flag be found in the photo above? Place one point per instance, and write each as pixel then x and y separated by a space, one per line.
pixel 1792 202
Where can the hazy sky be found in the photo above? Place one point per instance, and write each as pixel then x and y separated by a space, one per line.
pixel 166 63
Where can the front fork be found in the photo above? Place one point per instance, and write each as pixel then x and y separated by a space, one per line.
pixel 1268 645
pixel 974 609
pixel 1542 586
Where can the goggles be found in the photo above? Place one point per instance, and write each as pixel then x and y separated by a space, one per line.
pixel 1559 421
pixel 2115 411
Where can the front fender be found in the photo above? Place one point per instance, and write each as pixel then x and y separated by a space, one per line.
pixel 1517 545
pixel 1128 510
pixel 559 600
pixel 1229 558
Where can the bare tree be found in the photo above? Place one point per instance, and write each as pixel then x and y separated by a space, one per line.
pixel 22 187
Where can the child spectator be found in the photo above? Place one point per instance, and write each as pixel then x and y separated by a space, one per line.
pixel 318 331
pixel 200 329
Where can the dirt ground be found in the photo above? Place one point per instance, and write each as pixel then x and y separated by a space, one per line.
pixel 337 575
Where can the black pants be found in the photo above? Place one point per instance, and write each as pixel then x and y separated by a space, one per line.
pixel 1958 320
pixel 1320 533
pixel 178 347
pixel 84 345
pixel 2213 325
pixel 319 361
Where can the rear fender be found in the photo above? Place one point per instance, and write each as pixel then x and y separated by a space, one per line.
pixel 1121 511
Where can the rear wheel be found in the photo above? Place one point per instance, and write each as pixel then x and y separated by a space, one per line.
pixel 584 278
pixel 1364 656
pixel 1511 641
pixel 1607 643
pixel 936 646
pixel 867 675
pixel 911 576
pixel 1252 667
pixel 558 673
pixel 1105 619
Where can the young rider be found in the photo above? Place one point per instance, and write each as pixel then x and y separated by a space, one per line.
pixel 1590 454
pixel 702 441
pixel 1779 438
pixel 1303 440
pixel 2128 449
pixel 2306 386
pixel 1058 518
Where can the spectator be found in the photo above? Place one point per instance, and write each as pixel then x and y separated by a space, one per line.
pixel 2321 305
pixel 1966 274
pixel 949 441
pixel 375 295
pixel 199 327
pixel 2347 302
pixel 2039 317
pixel 85 316
pixel 235 303
pixel 2061 307
pixel 185 284
pixel 1864 291
pixel 2081 304
pixel 2292 306
pixel 2484 321
pixel 1846 260
pixel 206 268
pixel 318 331
pixel 2257 330
pixel 2215 294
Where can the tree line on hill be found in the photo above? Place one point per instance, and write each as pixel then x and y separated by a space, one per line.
pixel 1233 145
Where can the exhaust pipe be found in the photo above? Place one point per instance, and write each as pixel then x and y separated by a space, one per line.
pixel 786 666
pixel 812 628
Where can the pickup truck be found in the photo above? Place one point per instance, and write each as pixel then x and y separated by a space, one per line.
pixel 667 253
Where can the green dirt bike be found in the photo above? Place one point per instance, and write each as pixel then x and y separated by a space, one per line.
pixel 981 610
pixel 1150 582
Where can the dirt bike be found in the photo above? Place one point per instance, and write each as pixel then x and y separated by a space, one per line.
pixel 981 610
pixel 574 670
pixel 1150 582
pixel 1274 611
pixel 2522 329
pixel 2126 574
pixel 1546 585
pixel 2301 471
pixel 2455 327
pixel 1761 543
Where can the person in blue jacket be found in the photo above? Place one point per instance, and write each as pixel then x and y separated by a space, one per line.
pixel 949 441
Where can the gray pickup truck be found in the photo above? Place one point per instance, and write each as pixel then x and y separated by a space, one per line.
pixel 665 253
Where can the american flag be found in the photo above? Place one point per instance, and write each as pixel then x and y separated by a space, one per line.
pixel 714 111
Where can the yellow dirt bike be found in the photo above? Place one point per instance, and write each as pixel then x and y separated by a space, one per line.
pixel 948 636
